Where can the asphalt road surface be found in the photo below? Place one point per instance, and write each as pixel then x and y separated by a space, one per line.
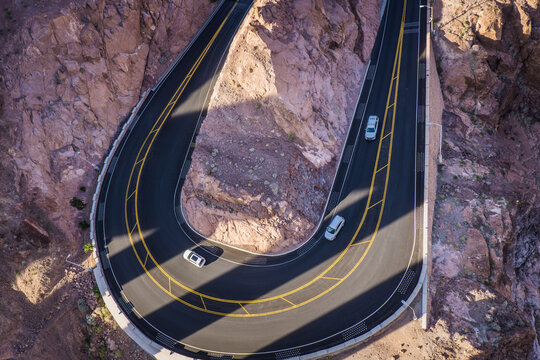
pixel 243 305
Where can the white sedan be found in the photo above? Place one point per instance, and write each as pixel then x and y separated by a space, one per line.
pixel 371 127
pixel 333 229
pixel 194 258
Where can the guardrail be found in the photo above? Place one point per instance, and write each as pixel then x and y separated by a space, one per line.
pixel 344 158
pixel 151 347
pixel 423 279
pixel 121 318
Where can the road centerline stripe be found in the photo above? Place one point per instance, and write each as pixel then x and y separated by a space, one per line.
pixel 351 243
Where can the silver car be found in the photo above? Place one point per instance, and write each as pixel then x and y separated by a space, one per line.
pixel 194 258
pixel 371 127
pixel 333 229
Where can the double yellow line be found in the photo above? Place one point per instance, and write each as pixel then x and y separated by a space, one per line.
pixel 282 297
pixel 140 161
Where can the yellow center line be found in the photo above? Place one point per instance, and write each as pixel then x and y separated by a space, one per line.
pixel 159 122
pixel 174 99
pixel 322 275
pixel 162 119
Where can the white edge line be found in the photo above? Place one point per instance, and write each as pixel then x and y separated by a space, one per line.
pixel 422 279
pixel 425 230
pixel 181 55
pixel 162 353
pixel 193 137
pixel 385 323
pixel 331 187
pixel 151 347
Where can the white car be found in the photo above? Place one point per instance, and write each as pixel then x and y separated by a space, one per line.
pixel 333 229
pixel 371 127
pixel 194 258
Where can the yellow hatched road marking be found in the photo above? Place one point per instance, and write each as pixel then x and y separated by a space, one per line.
pixel 145 259
pixel 202 299
pixel 290 302
pixel 381 168
pixel 361 242
pixel 331 278
pixel 130 195
pixel 351 243
pixel 132 230
pixel 386 135
pixel 247 312
pixel 377 203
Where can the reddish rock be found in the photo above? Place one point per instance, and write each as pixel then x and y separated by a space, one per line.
pixel 492 326
pixel 267 152
pixel 71 73
pixel 69 341
pixel 477 254
pixel 489 77
pixel 33 232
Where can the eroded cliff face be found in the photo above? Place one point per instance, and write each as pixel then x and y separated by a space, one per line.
pixel 70 74
pixel 266 153
pixel 486 235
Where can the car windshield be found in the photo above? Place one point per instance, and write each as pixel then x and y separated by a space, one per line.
pixel 331 230
pixel 371 129
pixel 193 257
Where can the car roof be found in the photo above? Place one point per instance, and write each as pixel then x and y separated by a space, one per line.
pixel 336 220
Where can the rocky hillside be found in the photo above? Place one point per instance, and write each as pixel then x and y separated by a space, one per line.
pixel 70 73
pixel 486 242
pixel 64 64
pixel 266 153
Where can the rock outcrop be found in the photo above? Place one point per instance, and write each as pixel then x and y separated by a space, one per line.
pixel 485 235
pixel 70 73
pixel 266 153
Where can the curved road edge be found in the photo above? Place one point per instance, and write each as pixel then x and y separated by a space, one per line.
pixel 423 281
pixel 336 188
pixel 151 347
pixel 159 351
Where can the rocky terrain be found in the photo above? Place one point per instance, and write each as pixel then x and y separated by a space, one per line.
pixel 63 64
pixel 486 229
pixel 70 73
pixel 486 232
pixel 266 153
